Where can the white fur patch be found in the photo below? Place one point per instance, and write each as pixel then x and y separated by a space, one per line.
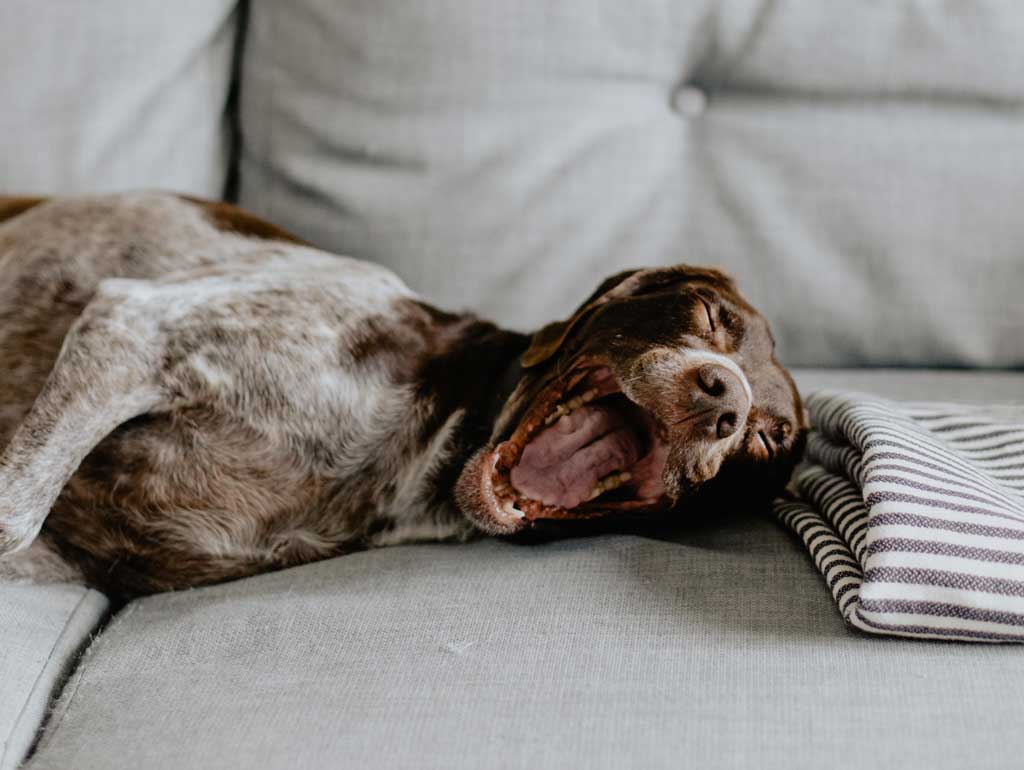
pixel 694 358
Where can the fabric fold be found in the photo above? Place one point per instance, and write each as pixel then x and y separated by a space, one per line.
pixel 914 515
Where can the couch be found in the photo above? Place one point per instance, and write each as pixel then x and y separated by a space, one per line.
pixel 858 167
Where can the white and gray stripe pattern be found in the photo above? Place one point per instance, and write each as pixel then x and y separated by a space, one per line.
pixel 914 514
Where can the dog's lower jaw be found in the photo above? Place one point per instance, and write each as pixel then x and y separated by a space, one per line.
pixel 474 495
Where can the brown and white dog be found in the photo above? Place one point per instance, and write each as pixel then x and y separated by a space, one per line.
pixel 190 395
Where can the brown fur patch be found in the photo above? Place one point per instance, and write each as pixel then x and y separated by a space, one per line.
pixel 12 207
pixel 231 219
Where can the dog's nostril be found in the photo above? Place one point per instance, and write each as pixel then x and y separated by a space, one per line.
pixel 710 382
pixel 727 424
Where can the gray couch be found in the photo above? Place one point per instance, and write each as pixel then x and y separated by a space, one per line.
pixel 859 167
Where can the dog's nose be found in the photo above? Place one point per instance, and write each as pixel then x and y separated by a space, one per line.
pixel 721 392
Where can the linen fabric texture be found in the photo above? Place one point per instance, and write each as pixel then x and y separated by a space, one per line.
pixel 42 630
pixel 108 96
pixel 709 651
pixel 858 171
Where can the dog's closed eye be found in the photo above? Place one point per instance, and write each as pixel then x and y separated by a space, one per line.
pixel 708 315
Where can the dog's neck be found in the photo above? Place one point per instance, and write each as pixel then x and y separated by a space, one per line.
pixel 475 370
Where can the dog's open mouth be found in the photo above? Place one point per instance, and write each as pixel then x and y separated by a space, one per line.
pixel 582 450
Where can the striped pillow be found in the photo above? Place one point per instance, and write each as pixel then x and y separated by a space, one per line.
pixel 914 514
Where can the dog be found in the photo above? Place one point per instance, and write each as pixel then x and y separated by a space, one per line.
pixel 190 395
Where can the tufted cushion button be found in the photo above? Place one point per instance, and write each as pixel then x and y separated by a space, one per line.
pixel 689 101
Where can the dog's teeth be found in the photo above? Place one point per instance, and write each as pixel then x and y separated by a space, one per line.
pixel 609 482
pixel 560 410
pixel 501 488
pixel 570 406
pixel 612 482
pixel 510 508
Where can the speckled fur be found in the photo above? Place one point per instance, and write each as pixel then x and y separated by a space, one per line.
pixel 186 404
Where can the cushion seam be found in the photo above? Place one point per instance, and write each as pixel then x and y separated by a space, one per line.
pixel 42 671
pixel 80 676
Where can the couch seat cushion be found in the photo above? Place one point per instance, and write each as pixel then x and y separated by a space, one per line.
pixel 42 629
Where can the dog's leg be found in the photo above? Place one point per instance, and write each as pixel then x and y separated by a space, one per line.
pixel 105 375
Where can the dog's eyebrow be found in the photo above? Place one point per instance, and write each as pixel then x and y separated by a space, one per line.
pixel 731 319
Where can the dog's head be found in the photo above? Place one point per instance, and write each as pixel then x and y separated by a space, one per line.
pixel 662 382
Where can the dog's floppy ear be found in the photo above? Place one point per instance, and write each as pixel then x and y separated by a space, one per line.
pixel 549 339
pixel 628 283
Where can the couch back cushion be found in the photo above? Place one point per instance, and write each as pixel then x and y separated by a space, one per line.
pixel 859 172
pixel 109 95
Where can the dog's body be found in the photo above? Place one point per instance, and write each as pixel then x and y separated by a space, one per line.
pixel 249 403
pixel 190 395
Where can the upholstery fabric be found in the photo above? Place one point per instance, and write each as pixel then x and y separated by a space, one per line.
pixel 714 648
pixel 857 166
pixel 965 387
pixel 914 514
pixel 108 95
pixel 42 628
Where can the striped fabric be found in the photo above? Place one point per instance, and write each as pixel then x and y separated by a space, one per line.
pixel 914 514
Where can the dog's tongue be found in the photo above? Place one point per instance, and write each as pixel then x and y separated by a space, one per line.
pixel 564 462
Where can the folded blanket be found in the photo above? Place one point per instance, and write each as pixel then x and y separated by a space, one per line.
pixel 914 514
